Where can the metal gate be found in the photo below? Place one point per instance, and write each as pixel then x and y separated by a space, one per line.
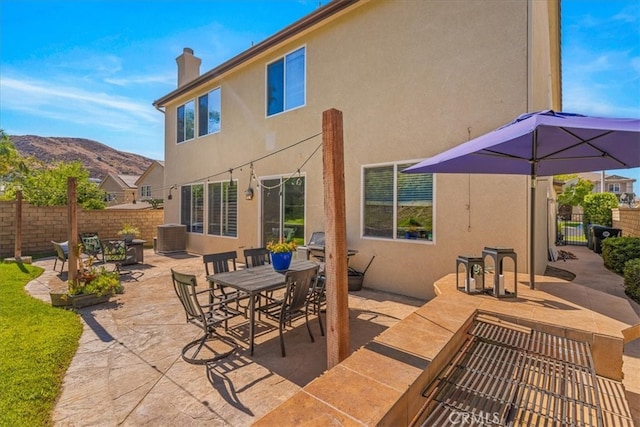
pixel 570 230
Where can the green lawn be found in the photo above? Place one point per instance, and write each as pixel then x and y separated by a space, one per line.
pixel 37 342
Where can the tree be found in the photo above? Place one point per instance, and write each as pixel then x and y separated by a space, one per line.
pixel 12 165
pixel 597 208
pixel 574 193
pixel 48 186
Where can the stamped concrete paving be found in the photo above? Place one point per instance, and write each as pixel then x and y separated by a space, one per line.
pixel 128 370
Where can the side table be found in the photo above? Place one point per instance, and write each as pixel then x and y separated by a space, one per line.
pixel 498 254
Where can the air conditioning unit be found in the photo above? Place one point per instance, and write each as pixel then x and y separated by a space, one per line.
pixel 172 238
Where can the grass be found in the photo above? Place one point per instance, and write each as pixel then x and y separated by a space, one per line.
pixel 37 342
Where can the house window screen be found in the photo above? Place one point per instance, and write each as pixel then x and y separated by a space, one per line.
pixel 397 205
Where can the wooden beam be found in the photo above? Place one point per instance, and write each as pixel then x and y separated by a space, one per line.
pixel 338 342
pixel 17 252
pixel 72 237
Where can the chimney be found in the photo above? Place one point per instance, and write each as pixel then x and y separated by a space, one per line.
pixel 188 66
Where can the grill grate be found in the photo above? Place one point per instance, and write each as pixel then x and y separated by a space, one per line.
pixel 508 376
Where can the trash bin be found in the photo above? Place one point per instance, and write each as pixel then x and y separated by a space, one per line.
pixel 600 233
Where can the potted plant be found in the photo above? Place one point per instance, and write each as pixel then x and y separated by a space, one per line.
pixel 281 254
pixel 412 225
pixel 129 232
pixel 93 285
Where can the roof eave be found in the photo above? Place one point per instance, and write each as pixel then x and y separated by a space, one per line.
pixel 297 27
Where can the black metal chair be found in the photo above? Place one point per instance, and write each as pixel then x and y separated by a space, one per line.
pixel 295 301
pixel 223 262
pixel 255 257
pixel 318 298
pixel 206 316
pixel 115 251
pixel 91 245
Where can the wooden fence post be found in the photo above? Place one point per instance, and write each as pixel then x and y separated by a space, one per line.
pixel 338 340
pixel 72 238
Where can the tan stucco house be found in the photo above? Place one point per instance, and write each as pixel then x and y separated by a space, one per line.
pixel 151 183
pixel 119 189
pixel 615 184
pixel 412 79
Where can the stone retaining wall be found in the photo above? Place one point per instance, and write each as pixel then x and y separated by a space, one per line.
pixel 41 224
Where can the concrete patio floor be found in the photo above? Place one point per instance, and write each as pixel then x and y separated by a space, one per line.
pixel 128 369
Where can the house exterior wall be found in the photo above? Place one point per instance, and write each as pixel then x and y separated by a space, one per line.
pixel 154 177
pixel 412 79
pixel 122 195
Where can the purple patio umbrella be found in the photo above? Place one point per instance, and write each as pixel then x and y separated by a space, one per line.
pixel 544 143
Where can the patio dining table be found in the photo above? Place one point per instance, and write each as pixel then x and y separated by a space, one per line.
pixel 254 281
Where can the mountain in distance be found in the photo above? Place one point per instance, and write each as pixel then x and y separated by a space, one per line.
pixel 98 158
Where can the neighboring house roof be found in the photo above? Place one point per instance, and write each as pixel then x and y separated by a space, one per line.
pixel 304 24
pixel 138 206
pixel 155 164
pixel 129 180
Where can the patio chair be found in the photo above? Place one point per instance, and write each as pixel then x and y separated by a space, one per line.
pixel 115 251
pixel 62 253
pixel 223 262
pixel 91 245
pixel 208 317
pixel 318 297
pixel 255 257
pixel 294 303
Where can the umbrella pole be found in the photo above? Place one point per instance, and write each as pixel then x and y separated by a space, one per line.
pixel 532 227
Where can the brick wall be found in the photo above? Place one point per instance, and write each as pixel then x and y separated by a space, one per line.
pixel 628 220
pixel 41 224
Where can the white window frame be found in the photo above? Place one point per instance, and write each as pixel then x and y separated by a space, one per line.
pixel 145 191
pixel 394 237
pixel 224 205
pixel 185 133
pixel 192 217
pixel 614 187
pixel 208 95
pixel 304 83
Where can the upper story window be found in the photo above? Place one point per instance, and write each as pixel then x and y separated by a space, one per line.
pixel 209 113
pixel 286 81
pixel 614 187
pixel 186 121
pixel 222 209
pixel 397 205
pixel 145 191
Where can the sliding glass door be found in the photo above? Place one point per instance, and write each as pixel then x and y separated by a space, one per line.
pixel 283 204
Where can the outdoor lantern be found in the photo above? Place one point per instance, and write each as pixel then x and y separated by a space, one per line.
pixel 248 194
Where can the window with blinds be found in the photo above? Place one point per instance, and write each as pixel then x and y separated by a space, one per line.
pixel 223 209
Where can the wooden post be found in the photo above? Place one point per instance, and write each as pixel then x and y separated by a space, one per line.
pixel 72 237
pixel 17 252
pixel 338 346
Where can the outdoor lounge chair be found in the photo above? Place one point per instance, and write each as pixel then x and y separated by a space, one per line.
pixel 62 253
pixel 206 316
pixel 295 302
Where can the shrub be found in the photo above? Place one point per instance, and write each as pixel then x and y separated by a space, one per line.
pixel 632 279
pixel 616 251
pixel 597 208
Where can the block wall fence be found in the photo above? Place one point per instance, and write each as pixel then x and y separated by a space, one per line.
pixel 628 220
pixel 42 224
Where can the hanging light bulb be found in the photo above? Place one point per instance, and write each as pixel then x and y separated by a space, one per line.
pixel 248 194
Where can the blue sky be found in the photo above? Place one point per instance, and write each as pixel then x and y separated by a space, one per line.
pixel 92 68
